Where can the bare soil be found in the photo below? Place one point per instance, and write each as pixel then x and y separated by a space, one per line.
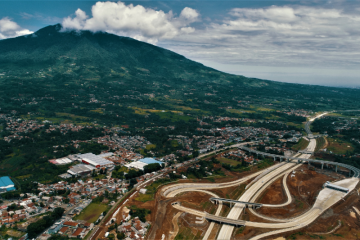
pixel 164 213
pixel 275 194
pixel 304 188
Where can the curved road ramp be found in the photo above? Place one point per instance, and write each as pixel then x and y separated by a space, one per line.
pixel 328 196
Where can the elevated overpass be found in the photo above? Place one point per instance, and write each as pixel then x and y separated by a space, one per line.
pixel 355 170
pixel 225 220
pixel 231 201
pixel 305 152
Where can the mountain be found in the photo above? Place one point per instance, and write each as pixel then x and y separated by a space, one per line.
pixel 103 80
pixel 78 67
pixel 99 55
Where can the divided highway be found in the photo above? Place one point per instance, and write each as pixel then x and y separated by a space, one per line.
pixel 263 179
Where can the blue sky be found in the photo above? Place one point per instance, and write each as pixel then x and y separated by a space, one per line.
pixel 312 42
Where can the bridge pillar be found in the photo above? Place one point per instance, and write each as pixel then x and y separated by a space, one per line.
pixel 280 159
pixel 336 168
pixel 274 159
pixel 322 166
pixel 308 164
pixel 288 159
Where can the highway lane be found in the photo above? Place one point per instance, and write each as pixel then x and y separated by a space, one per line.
pixel 173 190
pixel 227 230
pixel 287 192
pixel 217 213
pixel 265 178
pixel 235 212
pixel 326 198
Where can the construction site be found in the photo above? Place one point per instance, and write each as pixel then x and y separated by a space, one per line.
pixel 296 197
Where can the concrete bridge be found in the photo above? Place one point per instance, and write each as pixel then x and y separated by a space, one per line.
pixel 351 169
pixel 306 152
pixel 231 201
pixel 218 219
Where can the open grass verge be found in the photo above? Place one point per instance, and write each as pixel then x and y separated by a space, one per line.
pixel 91 213
pixel 339 146
pixel 301 145
pixel 320 143
pixel 229 161
pixel 151 190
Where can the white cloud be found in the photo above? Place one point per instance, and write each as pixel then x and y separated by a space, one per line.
pixel 277 36
pixel 142 23
pixel 10 29
pixel 278 14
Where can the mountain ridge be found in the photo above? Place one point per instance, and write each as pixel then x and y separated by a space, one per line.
pixel 53 61
pixel 111 53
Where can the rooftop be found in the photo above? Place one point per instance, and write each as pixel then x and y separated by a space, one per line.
pixel 149 161
pixel 5 182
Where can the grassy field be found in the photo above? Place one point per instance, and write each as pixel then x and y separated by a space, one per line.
pixel 339 146
pixel 185 233
pixel 14 233
pixel 69 115
pixel 301 145
pixel 174 143
pixel 151 190
pixel 320 143
pixel 91 213
pixel 150 146
pixel 145 197
pixel 299 126
pixel 229 161
pixel 173 117
pixel 238 191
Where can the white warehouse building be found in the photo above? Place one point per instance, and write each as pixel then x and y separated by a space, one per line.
pixel 97 161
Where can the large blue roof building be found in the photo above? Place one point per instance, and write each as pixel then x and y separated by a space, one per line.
pixel 6 184
pixel 150 160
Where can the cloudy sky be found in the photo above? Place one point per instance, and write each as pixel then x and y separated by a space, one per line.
pixel 312 42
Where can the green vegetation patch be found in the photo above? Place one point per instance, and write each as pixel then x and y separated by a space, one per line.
pixel 320 143
pixel 229 161
pixel 151 190
pixel 301 145
pixel 139 212
pixel 339 146
pixel 92 212
pixel 174 117
pixel 185 234
pixel 150 146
